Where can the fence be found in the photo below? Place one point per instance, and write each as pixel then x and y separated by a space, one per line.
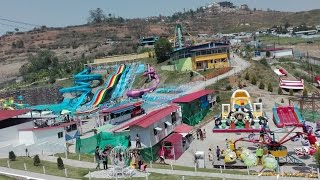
pixel 45 148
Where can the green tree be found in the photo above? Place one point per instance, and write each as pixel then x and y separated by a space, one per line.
pixel 254 80
pixel 268 54
pixel 12 156
pixel 60 163
pixel 36 160
pixel 96 16
pixel 317 157
pixel 270 88
pixel 218 99
pixel 247 76
pixel 162 49
pixel 280 91
pixel 228 87
pixel 305 92
pixel 291 92
pixel 261 85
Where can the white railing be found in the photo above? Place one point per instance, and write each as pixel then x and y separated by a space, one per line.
pixel 46 148
pixel 20 176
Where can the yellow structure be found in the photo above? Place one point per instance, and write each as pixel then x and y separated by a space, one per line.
pixel 209 55
pixel 210 61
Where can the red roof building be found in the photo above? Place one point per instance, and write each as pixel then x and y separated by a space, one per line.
pixel 7 114
pixel 192 96
pixel 154 126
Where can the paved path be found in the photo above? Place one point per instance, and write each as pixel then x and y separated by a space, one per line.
pixel 26 174
pixel 238 65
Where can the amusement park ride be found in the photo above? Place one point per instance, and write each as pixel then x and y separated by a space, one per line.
pixel 241 115
pixel 9 104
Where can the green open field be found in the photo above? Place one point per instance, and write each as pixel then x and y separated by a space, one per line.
pixel 285 40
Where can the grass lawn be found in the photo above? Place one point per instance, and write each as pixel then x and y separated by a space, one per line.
pixel 166 77
pixel 51 168
pixel 2 177
pixel 65 83
pixel 75 156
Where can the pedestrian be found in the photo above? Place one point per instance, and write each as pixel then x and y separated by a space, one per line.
pixel 218 153
pixel 97 156
pixel 198 134
pixel 204 133
pixel 201 135
pixel 210 155
pixel 227 143
pixel 105 158
pixel 138 143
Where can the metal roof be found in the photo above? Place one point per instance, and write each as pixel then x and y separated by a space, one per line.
pixel 192 96
pixel 7 114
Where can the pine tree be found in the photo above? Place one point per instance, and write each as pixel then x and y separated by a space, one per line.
pixel 254 80
pixel 280 91
pixel 36 160
pixel 261 85
pixel 291 92
pixel 12 156
pixel 270 88
pixel 218 99
pixel 60 163
pixel 305 93
pixel 247 76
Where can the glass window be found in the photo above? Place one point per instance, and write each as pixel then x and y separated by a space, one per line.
pixel 173 117
pixel 155 132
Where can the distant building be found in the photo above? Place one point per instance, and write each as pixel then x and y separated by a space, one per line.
pixel 310 32
pixel 226 4
pixel 148 40
pixel 244 7
pixel 208 55
pixel 277 52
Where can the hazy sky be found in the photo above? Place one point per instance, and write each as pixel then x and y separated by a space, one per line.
pixel 71 12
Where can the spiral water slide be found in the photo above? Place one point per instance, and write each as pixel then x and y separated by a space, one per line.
pixel 139 92
pixel 100 95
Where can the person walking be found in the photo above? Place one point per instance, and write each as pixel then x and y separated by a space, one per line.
pixel 201 135
pixel 105 158
pixel 97 156
pixel 198 134
pixel 138 143
pixel 218 151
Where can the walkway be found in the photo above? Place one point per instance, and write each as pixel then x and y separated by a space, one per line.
pixel 28 175
pixel 238 65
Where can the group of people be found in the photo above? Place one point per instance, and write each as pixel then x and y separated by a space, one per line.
pixel 137 160
pixel 102 156
pixel 201 134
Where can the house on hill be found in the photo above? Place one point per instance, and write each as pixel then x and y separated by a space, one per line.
pixel 195 106
pixel 208 55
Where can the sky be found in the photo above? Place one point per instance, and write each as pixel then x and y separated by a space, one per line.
pixel 59 13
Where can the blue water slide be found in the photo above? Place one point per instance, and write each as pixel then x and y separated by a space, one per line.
pixel 275 115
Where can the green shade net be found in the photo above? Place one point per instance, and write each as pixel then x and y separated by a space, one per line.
pixel 194 111
pixel 150 154
pixel 88 145
pixel 104 128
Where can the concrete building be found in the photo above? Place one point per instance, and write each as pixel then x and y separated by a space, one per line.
pixel 155 126
pixel 24 132
pixel 277 52
pixel 209 55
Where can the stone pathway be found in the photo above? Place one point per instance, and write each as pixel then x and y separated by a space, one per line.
pixel 19 174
